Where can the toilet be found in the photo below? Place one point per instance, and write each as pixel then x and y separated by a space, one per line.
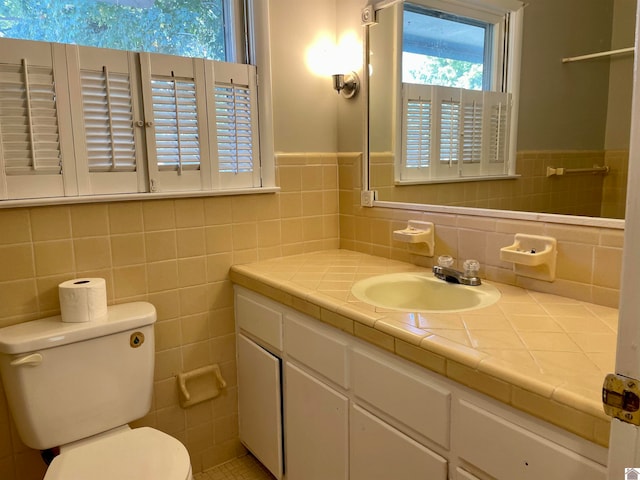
pixel 76 386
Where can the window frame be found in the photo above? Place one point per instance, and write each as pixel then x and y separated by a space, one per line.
pixel 506 16
pixel 256 52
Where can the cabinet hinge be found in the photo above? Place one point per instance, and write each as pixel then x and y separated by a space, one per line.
pixel 621 398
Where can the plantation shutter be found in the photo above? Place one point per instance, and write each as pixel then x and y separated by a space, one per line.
pixel 108 119
pixel 31 147
pixel 106 109
pixel 417 130
pixel 29 120
pixel 498 113
pixel 175 109
pixel 236 126
pixel 450 133
pixel 472 128
pixel 472 133
pixel 449 109
pixel 175 116
pixel 76 120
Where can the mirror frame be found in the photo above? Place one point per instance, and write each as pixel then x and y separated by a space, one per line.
pixel 368 196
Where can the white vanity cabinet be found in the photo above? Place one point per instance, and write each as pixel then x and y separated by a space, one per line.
pixel 352 411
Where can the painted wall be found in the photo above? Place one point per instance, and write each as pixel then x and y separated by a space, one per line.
pixel 563 106
pixel 304 103
pixel 621 77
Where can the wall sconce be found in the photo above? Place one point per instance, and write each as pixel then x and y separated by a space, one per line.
pixel 347 84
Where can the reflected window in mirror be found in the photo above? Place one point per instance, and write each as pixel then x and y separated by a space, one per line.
pixel 444 49
pixel 570 115
pixel 457 92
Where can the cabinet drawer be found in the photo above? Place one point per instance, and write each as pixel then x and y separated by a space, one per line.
pixel 505 450
pixel 423 407
pixel 317 348
pixel 258 319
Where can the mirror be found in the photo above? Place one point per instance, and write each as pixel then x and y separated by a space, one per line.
pixel 572 115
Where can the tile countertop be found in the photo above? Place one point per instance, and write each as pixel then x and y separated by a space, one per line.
pixel 543 354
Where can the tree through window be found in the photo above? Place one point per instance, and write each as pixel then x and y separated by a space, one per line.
pixel 190 28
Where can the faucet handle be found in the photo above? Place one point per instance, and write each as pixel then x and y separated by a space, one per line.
pixel 445 260
pixel 471 268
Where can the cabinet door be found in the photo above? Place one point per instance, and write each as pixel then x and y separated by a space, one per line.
pixel 380 452
pixel 316 428
pixel 259 404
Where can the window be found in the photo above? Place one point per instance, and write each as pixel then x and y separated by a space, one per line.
pixel 458 90
pixel 444 49
pixel 80 120
pixel 189 28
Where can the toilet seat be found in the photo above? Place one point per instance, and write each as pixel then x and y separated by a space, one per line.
pixel 130 454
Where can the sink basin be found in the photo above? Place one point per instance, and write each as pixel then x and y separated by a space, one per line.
pixel 422 292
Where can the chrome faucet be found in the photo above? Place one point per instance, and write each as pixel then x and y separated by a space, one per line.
pixel 445 272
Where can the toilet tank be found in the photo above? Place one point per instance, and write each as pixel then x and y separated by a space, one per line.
pixel 68 381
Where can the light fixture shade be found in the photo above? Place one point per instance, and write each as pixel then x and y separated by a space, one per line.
pixel 347 84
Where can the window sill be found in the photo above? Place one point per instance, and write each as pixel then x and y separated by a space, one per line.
pixel 124 197
pixel 456 180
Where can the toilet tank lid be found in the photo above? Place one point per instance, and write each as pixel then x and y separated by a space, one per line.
pixel 52 331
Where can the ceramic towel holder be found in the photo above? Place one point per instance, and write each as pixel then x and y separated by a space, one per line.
pixel 200 384
pixel 420 237
pixel 533 256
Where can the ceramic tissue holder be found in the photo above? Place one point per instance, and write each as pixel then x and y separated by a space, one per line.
pixel 420 237
pixel 200 384
pixel 533 256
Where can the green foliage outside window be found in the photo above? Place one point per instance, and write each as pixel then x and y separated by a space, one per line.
pixel 446 72
pixel 191 28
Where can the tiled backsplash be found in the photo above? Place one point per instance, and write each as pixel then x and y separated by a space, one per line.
pixel 589 258
pixel 175 254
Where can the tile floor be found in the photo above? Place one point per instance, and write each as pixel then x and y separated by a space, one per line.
pixel 243 468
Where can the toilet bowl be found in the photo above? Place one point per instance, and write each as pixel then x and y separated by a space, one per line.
pixel 123 454
pixel 76 386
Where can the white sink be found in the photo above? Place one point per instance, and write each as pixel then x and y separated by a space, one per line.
pixel 422 292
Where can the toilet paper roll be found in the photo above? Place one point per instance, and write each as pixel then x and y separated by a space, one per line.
pixel 83 300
